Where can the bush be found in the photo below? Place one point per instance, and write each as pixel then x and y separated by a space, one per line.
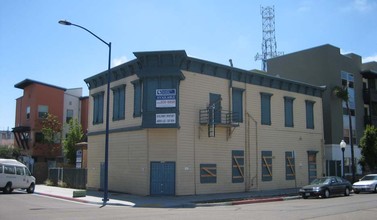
pixel 49 182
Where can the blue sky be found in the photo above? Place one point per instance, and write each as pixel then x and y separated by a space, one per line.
pixel 33 45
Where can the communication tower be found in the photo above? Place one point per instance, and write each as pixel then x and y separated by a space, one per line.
pixel 269 41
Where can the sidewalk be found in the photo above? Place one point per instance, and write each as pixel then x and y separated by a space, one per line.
pixel 122 199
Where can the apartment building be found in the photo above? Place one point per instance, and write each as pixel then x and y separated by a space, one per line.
pixel 325 65
pixel 39 99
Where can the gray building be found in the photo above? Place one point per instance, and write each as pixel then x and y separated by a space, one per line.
pixel 326 66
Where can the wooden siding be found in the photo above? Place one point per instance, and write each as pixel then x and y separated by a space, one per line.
pixel 189 146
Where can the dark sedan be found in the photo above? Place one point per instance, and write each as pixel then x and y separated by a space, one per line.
pixel 325 186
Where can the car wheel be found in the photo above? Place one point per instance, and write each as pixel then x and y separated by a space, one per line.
pixel 8 188
pixel 304 197
pixel 326 193
pixel 31 188
pixel 356 191
pixel 347 192
pixel 375 189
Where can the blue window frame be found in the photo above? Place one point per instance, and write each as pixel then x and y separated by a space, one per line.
pixel 215 101
pixel 290 169
pixel 137 98
pixel 266 165
pixel 288 111
pixel 237 105
pixel 309 114
pixel 208 173
pixel 98 102
pixel 265 108
pixel 238 166
pixel 119 102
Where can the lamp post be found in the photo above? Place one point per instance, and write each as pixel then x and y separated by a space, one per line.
pixel 342 147
pixel 106 165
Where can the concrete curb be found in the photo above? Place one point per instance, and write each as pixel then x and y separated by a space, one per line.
pixel 248 201
pixel 79 200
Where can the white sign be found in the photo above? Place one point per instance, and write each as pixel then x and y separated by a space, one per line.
pixel 168 118
pixel 165 98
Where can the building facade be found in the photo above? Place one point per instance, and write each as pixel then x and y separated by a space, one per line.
pixel 39 99
pixel 325 65
pixel 184 126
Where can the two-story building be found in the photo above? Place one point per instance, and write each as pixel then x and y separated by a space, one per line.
pixel 183 126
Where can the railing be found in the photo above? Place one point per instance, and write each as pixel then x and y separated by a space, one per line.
pixel 211 116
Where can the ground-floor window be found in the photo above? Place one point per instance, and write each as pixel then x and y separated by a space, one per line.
pixel 238 166
pixel 208 173
pixel 266 165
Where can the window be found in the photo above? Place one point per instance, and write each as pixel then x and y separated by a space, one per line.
pixel 312 165
pixel 42 111
pixel 208 173
pixel 28 112
pixel 237 108
pixel 9 170
pixel 265 108
pixel 238 167
pixel 119 101
pixel 69 115
pixel 290 173
pixel 266 165
pixel 309 114
pixel 98 108
pixel 20 171
pixel 39 137
pixel 1 168
pixel 215 101
pixel 137 98
pixel 288 111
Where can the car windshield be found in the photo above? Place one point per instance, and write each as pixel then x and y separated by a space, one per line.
pixel 365 178
pixel 321 181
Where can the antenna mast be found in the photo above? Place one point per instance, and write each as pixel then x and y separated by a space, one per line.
pixel 269 41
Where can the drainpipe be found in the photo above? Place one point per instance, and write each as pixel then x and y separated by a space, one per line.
pixel 230 93
pixel 256 147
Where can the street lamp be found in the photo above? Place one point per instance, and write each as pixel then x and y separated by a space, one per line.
pixel 106 165
pixel 342 147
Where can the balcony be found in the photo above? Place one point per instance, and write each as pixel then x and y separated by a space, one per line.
pixel 222 118
pixel 369 95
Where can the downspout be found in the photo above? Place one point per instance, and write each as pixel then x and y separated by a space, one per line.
pixel 256 148
pixel 230 94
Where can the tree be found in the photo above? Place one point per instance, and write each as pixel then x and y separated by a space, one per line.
pixel 51 129
pixel 342 94
pixel 9 152
pixel 74 136
pixel 368 146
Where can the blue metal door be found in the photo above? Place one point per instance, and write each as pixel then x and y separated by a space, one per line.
pixel 162 178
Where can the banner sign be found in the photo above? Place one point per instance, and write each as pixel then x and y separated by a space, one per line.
pixel 165 98
pixel 168 118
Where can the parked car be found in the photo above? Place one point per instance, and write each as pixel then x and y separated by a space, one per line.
pixel 15 175
pixel 324 187
pixel 366 184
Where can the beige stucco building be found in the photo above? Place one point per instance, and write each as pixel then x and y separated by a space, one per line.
pixel 183 126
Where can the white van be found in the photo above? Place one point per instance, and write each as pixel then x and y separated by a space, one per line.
pixel 15 175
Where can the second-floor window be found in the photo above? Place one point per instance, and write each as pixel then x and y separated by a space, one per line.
pixel 98 101
pixel 265 108
pixel 119 101
pixel 137 97
pixel 28 112
pixel 309 114
pixel 288 111
pixel 69 115
pixel 237 108
pixel 42 111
